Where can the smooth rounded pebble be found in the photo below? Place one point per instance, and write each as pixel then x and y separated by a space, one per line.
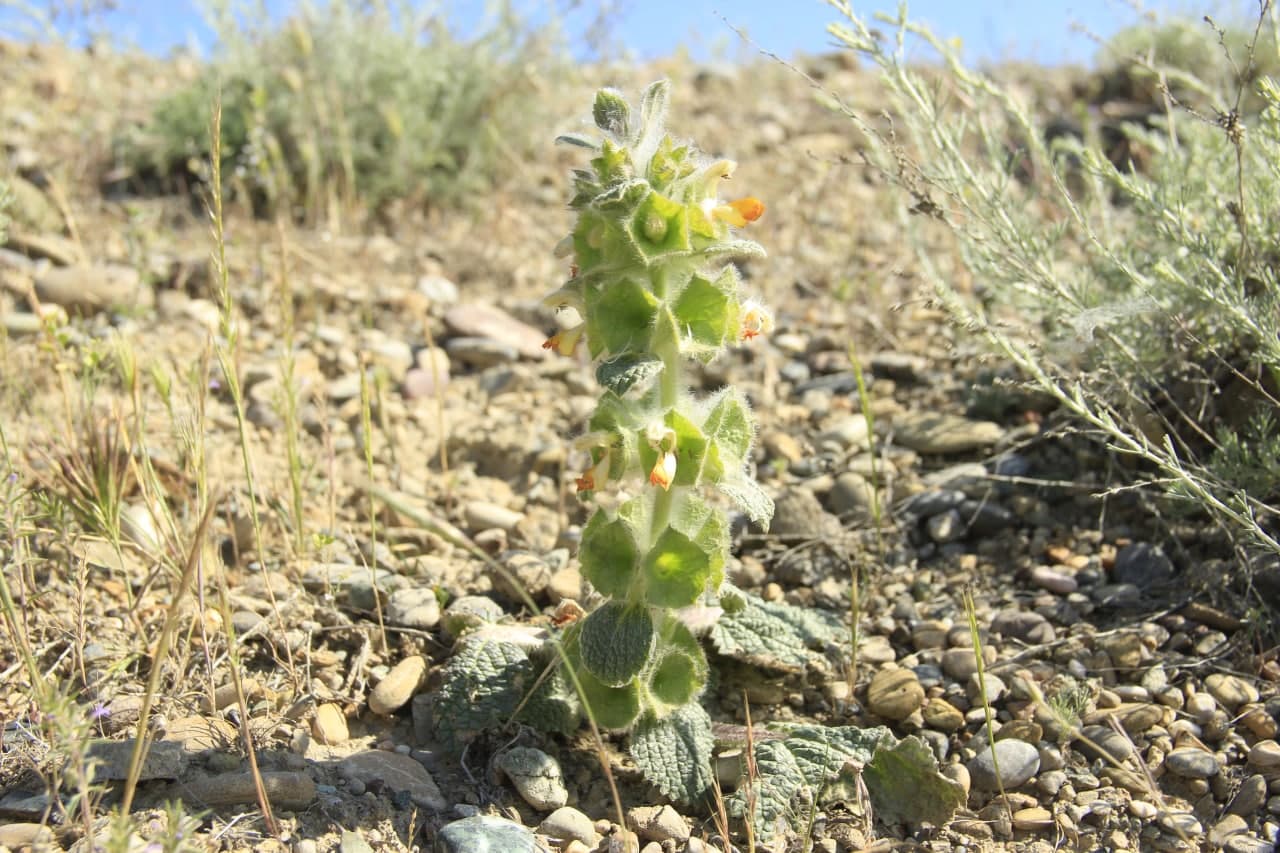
pixel 658 823
pixel 1018 762
pixel 536 776
pixel 1192 763
pixel 485 834
pixel 567 823
pixel 395 690
pixel 894 694
pixel 329 726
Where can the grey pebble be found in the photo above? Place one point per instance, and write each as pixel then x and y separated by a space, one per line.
pixel 485 834
pixel 1192 763
pixel 1018 762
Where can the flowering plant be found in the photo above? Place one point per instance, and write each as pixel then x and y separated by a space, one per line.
pixel 653 285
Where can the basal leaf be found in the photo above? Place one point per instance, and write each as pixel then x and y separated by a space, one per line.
pixel 906 786
pixel 616 642
pixel 674 752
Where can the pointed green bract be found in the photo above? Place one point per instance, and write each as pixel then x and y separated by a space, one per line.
pixel 707 312
pixel 620 318
pixel 611 112
pixel 676 570
pixel 608 554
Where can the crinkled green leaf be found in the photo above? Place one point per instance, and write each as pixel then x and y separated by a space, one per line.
pixel 616 641
pixel 613 707
pixel 906 786
pixel 723 249
pixel 659 228
pixel 674 752
pixel 729 425
pixel 775 635
pixel 812 766
pixel 554 706
pixel 482 686
pixel 608 554
pixel 627 371
pixel 577 140
pixel 676 569
pixel 681 669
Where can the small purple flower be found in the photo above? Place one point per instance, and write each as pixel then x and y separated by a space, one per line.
pixel 215 385
pixel 100 711
pixel 13 477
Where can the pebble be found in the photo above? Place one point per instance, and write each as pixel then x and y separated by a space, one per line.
pixel 1248 844
pixel 946 527
pixel 1251 797
pixel 995 688
pixel 1231 690
pixel 1192 763
pixel 416 607
pixel 395 690
pixel 894 694
pixel 1025 625
pixel 23 835
pixel 959 774
pixel 567 823
pixel 942 715
pixel 438 289
pixel 398 772
pixel 482 515
pixel 89 287
pixel 936 433
pixel 1181 823
pixel 1225 828
pixel 478 320
pixel 658 823
pixel 1095 740
pixel 536 776
pixel 1201 707
pixel 1033 819
pixel 1265 756
pixel 1142 564
pixel 469 611
pixel 851 493
pixel 1057 582
pixel 329 725
pixel 1018 762
pixel 960 663
pixel 565 584
pixel 485 834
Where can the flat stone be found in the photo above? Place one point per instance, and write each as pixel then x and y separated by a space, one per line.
pixel 567 823
pixel 895 694
pixel 1018 761
pixel 942 715
pixel 1181 823
pixel 658 824
pixel 1095 740
pixel 481 352
pixel 1192 763
pixel 1033 819
pixel 1265 756
pixel 936 433
pixel 398 772
pixel 88 287
pixel 565 584
pixel 485 834
pixel 799 514
pixel 1231 690
pixel 1227 827
pixel 395 690
pixel 482 515
pixel 487 321
pixel 994 688
pixel 415 607
pixel 329 725
pixel 163 760
pixel 438 289
pixel 524 574
pixel 1025 625
pixel 1251 797
pixel 1143 565
pixel 946 527
pixel 1053 580
pixel 851 493
pixel 469 611
pixel 536 776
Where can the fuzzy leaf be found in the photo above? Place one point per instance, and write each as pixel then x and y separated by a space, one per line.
pixel 722 250
pixel 483 684
pixel 612 707
pixel 627 371
pixel 729 425
pixel 906 787
pixel 554 706
pixel 707 311
pixel 774 635
pixel 616 642
pixel 676 569
pixel 608 554
pixel 660 228
pixel 681 671
pixel 674 752
pixel 750 497
pixel 620 317
pixel 578 140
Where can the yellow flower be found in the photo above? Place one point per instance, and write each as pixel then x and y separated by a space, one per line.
pixel 662 439
pixel 736 213
pixel 595 475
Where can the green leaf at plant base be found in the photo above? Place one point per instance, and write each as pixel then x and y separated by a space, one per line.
pixel 906 787
pixel 608 554
pixel 616 641
pixel 611 113
pixel 482 686
pixel 813 764
pixel 674 752
pixel 775 635
pixel 554 705
pixel 627 371
pixel 676 570
pixel 660 228
pixel 707 310
pixel 620 317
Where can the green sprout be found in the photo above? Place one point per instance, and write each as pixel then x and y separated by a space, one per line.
pixel 654 286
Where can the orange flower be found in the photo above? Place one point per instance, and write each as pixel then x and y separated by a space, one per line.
pixel 738 213
pixel 595 475
pixel 566 340
pixel 754 320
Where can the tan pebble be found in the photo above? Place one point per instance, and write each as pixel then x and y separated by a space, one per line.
pixel 1231 690
pixel 1265 755
pixel 894 694
pixel 565 584
pixel 1142 810
pixel 329 726
pixel 395 690
pixel 1033 819
pixel 941 715
pixel 1256 719
pixel 21 835
pixel 959 774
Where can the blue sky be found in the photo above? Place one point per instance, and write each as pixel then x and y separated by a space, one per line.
pixel 1047 32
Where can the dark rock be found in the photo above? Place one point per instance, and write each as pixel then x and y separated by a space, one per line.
pixel 1144 565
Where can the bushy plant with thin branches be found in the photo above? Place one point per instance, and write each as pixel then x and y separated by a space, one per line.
pixel 1141 294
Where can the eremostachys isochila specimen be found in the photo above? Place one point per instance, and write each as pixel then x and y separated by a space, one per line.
pixel 653 282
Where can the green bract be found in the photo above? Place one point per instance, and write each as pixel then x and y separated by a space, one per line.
pixel 652 278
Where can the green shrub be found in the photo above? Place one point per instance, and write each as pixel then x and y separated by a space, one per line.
pixel 352 104
pixel 1143 296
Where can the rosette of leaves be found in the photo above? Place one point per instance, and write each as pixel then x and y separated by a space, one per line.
pixel 653 281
